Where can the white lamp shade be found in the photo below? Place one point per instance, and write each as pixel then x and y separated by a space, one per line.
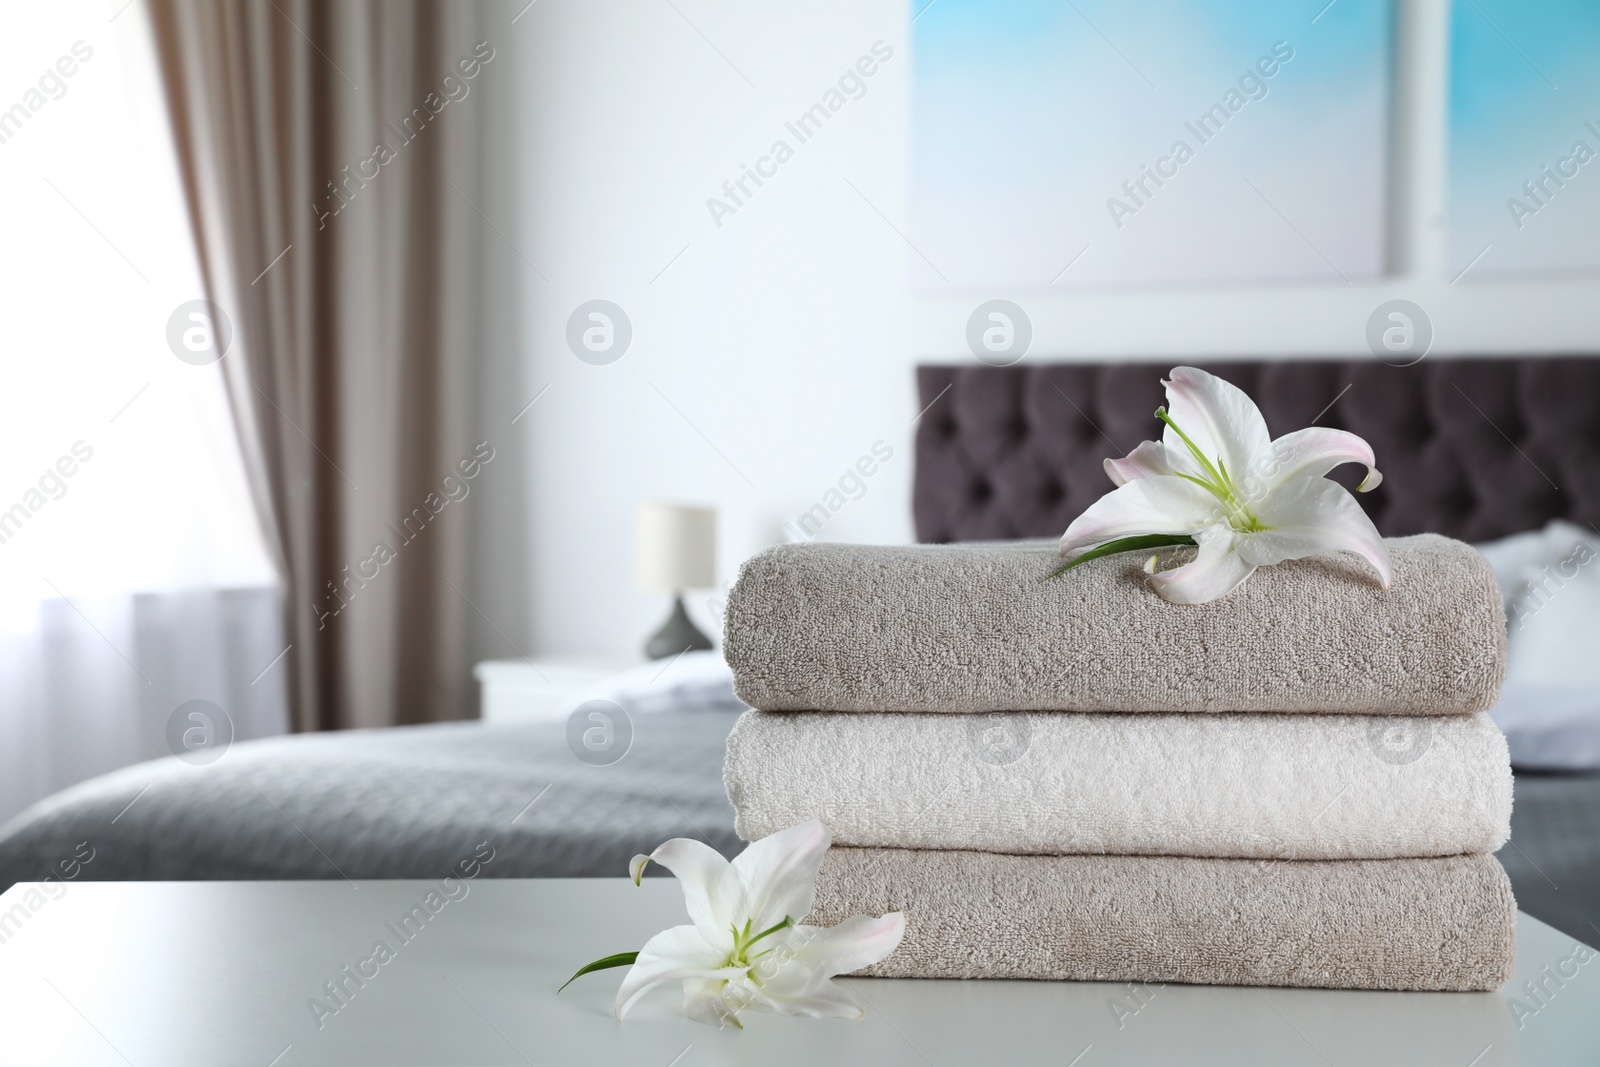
pixel 676 547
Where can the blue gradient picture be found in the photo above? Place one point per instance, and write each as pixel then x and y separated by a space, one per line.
pixel 1097 142
pixel 1524 137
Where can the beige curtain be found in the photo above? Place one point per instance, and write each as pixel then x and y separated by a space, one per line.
pixel 329 153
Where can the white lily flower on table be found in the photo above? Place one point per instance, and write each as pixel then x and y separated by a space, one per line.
pixel 1216 479
pixel 743 947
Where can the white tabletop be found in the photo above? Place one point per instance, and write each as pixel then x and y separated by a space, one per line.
pixel 221 973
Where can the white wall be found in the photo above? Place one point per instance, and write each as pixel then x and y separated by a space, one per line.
pixel 787 337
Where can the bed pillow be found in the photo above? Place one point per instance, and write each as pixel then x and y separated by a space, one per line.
pixel 1549 708
pixel 693 681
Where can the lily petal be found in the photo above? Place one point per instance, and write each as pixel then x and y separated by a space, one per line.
pixel 796 978
pixel 825 1001
pixel 703 1002
pixel 1217 570
pixel 1219 417
pixel 1311 515
pixel 1147 460
pixel 712 901
pixel 1159 504
pixel 859 941
pixel 673 954
pixel 1315 451
pixel 778 873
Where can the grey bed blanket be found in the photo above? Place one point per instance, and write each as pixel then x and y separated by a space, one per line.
pixel 412 802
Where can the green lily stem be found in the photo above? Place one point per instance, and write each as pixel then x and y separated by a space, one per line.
pixel 1122 544
pixel 621 959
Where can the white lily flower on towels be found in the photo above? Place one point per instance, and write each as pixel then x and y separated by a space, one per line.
pixel 1216 479
pixel 743 948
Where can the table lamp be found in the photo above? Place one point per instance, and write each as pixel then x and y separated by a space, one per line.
pixel 676 549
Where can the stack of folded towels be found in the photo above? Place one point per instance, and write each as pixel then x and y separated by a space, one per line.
pixel 1294 785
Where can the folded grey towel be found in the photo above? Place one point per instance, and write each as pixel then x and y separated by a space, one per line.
pixel 970 627
pixel 1310 787
pixel 1419 924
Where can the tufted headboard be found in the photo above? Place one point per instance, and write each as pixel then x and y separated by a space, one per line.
pixel 1472 448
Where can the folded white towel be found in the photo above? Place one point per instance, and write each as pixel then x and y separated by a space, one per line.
pixel 1268 785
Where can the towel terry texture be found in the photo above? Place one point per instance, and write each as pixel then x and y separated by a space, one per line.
pixel 970 627
pixel 1417 924
pixel 1316 787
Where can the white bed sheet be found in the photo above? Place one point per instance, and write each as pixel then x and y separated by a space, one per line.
pixel 1549 709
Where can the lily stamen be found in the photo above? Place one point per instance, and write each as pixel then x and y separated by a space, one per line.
pixel 788 921
pixel 1194 450
pixel 1223 488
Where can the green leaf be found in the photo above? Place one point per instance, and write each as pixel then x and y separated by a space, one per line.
pixel 621 959
pixel 1124 544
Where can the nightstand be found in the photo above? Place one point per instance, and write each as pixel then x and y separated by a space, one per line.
pixel 519 690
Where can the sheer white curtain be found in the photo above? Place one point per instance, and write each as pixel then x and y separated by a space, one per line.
pixel 132 573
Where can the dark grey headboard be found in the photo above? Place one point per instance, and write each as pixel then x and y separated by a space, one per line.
pixel 1472 448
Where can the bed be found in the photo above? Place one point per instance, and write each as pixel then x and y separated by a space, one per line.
pixel 1479 449
pixel 408 802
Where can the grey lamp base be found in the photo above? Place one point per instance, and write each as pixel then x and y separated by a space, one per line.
pixel 677 635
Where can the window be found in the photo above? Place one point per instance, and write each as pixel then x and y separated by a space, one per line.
pixel 132 573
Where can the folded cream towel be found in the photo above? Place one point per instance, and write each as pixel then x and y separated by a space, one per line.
pixel 971 627
pixel 1243 785
pixel 1439 924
